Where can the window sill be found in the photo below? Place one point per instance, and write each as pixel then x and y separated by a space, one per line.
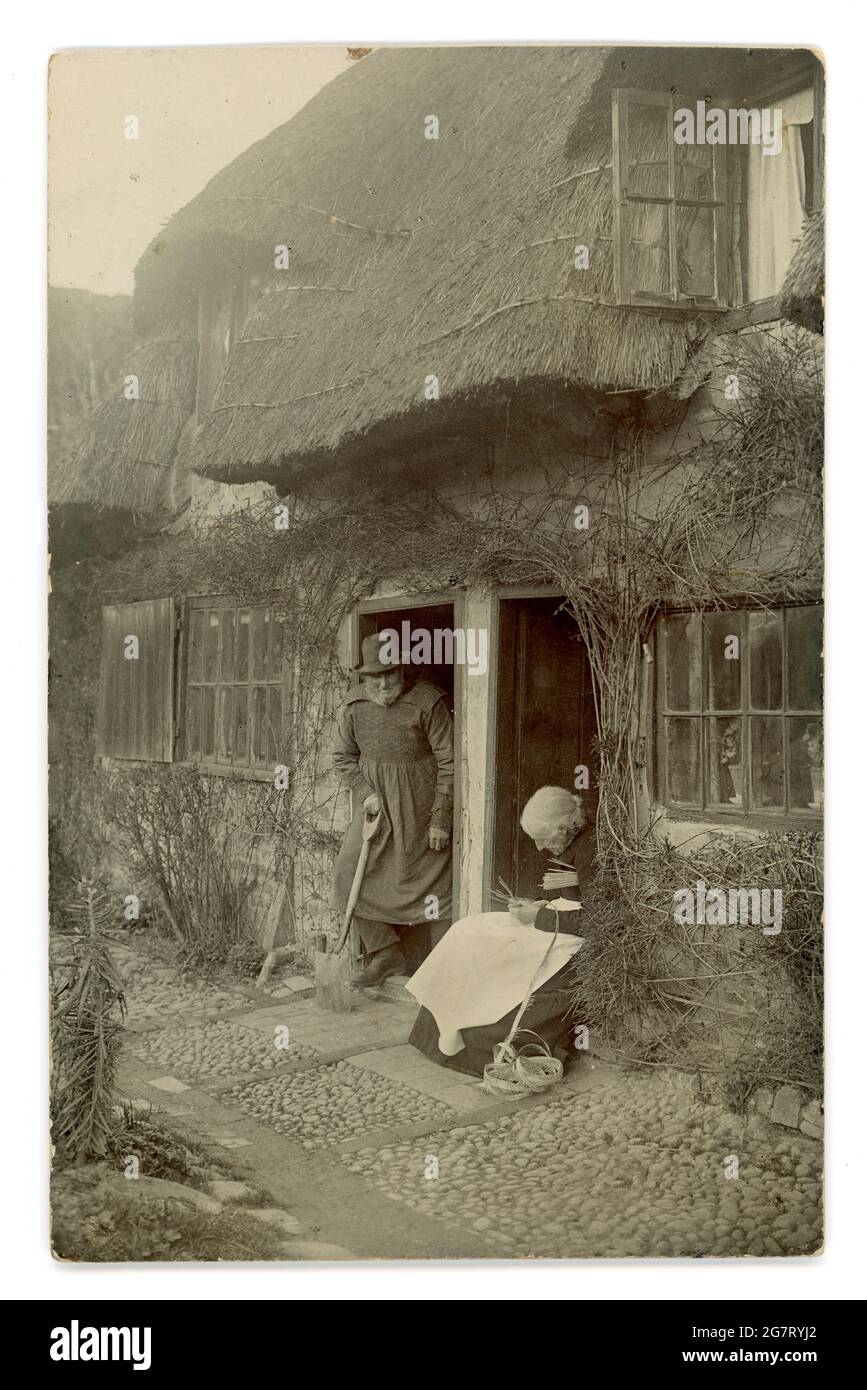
pixel 724 320
pixel 754 820
pixel 247 774
pixel 749 315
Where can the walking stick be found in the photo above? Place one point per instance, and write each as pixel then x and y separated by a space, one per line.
pixel 369 828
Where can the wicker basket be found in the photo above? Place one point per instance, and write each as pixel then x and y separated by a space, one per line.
pixel 522 1071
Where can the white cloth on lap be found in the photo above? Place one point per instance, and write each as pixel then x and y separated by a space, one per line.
pixel 481 969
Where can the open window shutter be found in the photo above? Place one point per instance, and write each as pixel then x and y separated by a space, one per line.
pixel 136 690
pixel 642 162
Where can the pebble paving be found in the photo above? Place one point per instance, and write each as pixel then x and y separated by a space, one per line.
pixel 325 1105
pixel 215 1050
pixel 628 1170
pixel 154 991
pixel 154 997
pixel 633 1167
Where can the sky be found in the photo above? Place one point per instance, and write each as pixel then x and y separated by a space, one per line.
pixel 197 108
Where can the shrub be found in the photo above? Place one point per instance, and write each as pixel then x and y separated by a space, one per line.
pixel 86 1021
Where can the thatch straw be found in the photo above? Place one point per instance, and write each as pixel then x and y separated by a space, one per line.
pixel 802 299
pixel 125 457
pixel 413 258
pixel 409 259
pixel 88 334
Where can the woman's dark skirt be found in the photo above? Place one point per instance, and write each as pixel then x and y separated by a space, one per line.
pixel 545 1015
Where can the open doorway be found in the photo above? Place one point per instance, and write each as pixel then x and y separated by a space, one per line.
pixel 545 728
pixel 374 616
pixel 428 617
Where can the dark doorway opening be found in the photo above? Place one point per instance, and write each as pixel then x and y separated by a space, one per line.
pixel 546 728
pixel 426 618
pixel 418 941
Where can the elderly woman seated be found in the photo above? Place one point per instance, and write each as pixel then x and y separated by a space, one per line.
pixel 473 983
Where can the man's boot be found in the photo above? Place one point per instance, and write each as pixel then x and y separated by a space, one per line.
pixel 382 964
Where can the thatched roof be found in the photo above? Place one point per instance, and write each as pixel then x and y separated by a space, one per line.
pixel 802 298
pixel 88 335
pixel 126 455
pixel 413 258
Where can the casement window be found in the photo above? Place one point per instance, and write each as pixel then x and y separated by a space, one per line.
pixel 207 689
pixel 739 712
pixel 711 225
pixel 233 685
pixel 670 207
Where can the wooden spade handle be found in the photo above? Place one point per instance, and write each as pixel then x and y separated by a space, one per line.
pixel 369 828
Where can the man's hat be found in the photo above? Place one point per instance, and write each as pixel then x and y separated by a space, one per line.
pixel 371 663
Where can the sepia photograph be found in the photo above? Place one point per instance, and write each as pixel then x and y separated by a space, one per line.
pixel 436 733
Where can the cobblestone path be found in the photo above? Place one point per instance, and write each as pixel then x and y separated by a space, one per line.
pixel 375 1152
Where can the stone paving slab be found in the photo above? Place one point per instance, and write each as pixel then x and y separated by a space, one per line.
pixel 303 1016
pixel 466 1099
pixel 386 1061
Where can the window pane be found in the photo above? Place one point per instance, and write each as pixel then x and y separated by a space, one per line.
pixel 766 660
pixel 275 651
pixel 207 737
pixel 806 764
pixel 693 169
pixel 647 150
pixel 194 723
pixel 766 761
pixel 240 750
pixel 645 232
pixel 682 760
pixel 195 651
pixel 225 715
pixel 696 253
pixel 242 645
pixel 259 742
pixel 683 662
pixel 261 623
pixel 723 641
pixel 804 657
pixel 724 761
pixel 227 655
pixel 212 645
pixel 273 723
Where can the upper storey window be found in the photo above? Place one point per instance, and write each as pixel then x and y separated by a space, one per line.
pixel 710 199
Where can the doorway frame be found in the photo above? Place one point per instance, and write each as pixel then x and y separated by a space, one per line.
pixel 390 603
pixel 502 593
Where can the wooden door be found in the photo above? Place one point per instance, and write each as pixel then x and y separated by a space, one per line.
pixel 545 727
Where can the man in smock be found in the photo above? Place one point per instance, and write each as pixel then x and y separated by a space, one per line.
pixel 395 751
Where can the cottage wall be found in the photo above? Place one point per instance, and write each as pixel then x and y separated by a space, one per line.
pixel 567 477
pixel 466 482
pixel 292 902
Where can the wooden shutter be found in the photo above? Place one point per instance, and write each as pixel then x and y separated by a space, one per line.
pixel 136 694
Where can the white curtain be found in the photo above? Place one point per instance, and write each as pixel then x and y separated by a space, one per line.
pixel 776 201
